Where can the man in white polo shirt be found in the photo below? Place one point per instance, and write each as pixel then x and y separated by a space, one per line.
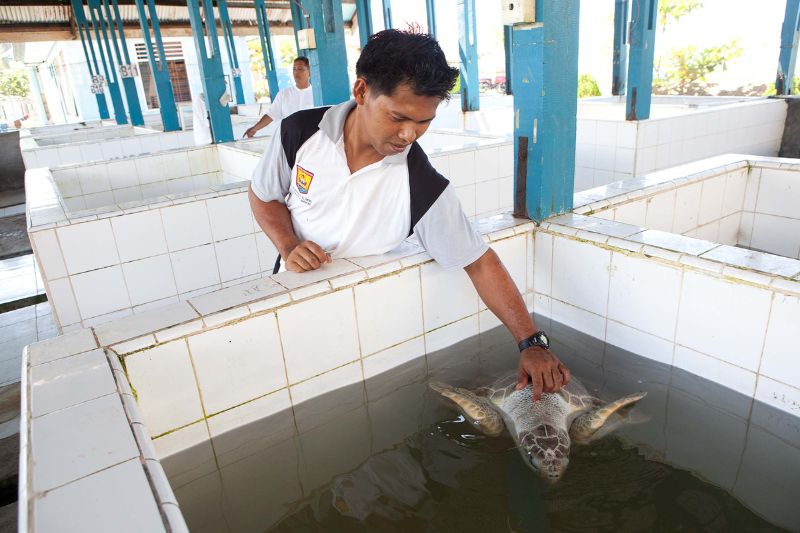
pixel 350 181
pixel 290 99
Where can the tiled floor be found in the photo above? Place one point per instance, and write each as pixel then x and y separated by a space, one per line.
pixel 19 328
pixel 13 236
pixel 19 279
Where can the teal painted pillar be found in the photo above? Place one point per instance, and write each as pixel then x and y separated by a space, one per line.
pixel 468 53
pixel 508 35
pixel 158 70
pixel 430 8
pixel 127 71
pixel 94 69
pixel 210 68
pixel 790 33
pixel 329 59
pixel 101 35
pixel 230 46
pixel 387 14
pixel 620 55
pixel 266 48
pixel 640 68
pixel 364 16
pixel 545 78
pixel 299 22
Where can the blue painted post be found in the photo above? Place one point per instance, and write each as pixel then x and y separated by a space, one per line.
pixel 159 70
pixel 108 66
pixel 545 77
pixel 790 34
pixel 94 69
pixel 210 68
pixel 230 45
pixel 508 35
pixel 387 14
pixel 468 52
pixel 266 48
pixel 328 60
pixel 640 69
pixel 127 70
pixel 364 16
pixel 299 22
pixel 430 6
pixel 620 55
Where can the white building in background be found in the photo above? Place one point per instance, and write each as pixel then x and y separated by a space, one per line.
pixel 64 80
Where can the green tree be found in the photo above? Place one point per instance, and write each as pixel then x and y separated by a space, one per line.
pixel 258 69
pixel 675 10
pixel 795 88
pixel 587 86
pixel 14 83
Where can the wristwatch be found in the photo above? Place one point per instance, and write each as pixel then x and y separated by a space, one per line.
pixel 537 339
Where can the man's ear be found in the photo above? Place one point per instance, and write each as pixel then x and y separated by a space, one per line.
pixel 360 91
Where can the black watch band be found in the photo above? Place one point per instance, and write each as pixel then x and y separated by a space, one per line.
pixel 537 339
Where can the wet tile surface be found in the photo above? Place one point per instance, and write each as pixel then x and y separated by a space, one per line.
pixel 742 257
pixel 674 242
pixel 19 278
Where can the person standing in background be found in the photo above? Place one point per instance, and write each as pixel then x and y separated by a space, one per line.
pixel 290 99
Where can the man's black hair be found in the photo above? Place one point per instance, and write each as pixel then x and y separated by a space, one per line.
pixel 393 57
pixel 303 59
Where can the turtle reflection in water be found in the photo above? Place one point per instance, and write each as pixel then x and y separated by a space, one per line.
pixel 542 430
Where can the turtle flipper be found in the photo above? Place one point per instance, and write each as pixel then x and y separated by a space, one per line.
pixel 586 425
pixel 478 410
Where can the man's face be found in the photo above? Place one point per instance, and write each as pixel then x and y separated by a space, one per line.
pixel 392 122
pixel 301 73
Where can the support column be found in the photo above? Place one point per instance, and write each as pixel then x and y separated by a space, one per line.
pixel 790 34
pixel 299 22
pixel 328 75
pixel 127 71
pixel 545 77
pixel 620 56
pixel 33 76
pixel 508 35
pixel 230 46
pixel 468 52
pixel 101 36
pixel 430 6
pixel 86 43
pixel 158 70
pixel 210 68
pixel 266 48
pixel 364 16
pixel 640 68
pixel 387 14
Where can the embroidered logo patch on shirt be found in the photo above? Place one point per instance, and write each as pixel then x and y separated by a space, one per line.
pixel 303 179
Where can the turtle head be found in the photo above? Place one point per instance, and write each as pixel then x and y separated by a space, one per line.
pixel 546 449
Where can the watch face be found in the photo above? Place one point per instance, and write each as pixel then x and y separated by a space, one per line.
pixel 544 339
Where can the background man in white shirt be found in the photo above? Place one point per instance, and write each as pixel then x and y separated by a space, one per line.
pixel 290 99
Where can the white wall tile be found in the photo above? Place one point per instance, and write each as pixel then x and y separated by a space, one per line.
pixel 543 263
pixel 48 253
pixel 129 194
pixel 149 169
pixel 139 235
pixel 98 199
pixel 149 279
pixel 732 376
pixel 166 389
pixel 513 254
pixel 486 163
pixel 78 239
pixel 779 192
pixel 624 160
pixel 607 132
pixel 639 342
pixel 462 168
pixel 712 314
pixel 452 333
pixel 93 178
pixel 634 213
pixel 605 158
pixel 626 134
pixel 186 225
pixel 729 229
pixel 735 186
pixel 122 174
pixel 111 149
pixel 59 292
pixel 711 198
pixel 195 268
pixel 579 319
pixel 238 363
pixel 197 161
pixel 466 196
pixel 660 211
pixel 709 232
pixel 781 359
pixel 399 296
pixel 330 317
pixel 581 274
pixel 99 292
pixel 687 208
pixel 446 296
pixel 635 285
pixel 486 197
pixel 237 258
pixel 505 160
pixel 777 235
pixel 230 216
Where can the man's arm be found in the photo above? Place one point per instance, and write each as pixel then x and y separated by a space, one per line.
pixel 262 123
pixel 500 294
pixel 274 219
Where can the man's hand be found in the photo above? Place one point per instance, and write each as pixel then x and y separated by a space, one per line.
pixel 306 256
pixel 543 369
pixel 250 132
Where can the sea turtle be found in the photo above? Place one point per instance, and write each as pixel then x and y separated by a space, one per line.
pixel 543 430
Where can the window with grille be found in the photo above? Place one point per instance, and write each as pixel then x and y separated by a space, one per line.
pixel 177 73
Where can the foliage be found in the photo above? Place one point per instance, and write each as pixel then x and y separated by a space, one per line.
pixel 795 88
pixel 14 83
pixel 675 10
pixel 688 68
pixel 587 86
